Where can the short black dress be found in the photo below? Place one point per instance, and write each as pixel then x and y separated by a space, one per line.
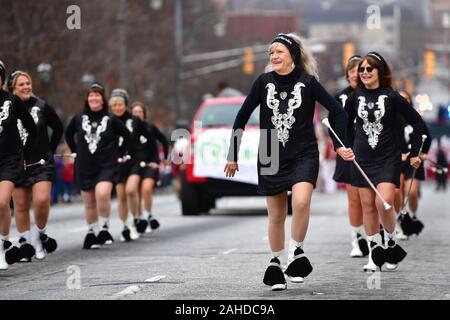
pixel 287 105
pixel 97 147
pixel 13 109
pixel 375 135
pixel 44 117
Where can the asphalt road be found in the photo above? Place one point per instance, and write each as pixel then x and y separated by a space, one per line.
pixel 224 255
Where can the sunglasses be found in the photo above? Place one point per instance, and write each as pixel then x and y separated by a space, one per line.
pixel 368 69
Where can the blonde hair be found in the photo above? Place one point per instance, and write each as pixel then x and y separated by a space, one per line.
pixel 307 62
pixel 15 75
pixel 115 99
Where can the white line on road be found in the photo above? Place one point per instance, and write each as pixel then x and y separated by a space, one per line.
pixel 128 291
pixel 229 251
pixel 155 279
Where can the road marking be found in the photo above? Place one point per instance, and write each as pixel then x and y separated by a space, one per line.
pixel 155 279
pixel 128 291
pixel 229 251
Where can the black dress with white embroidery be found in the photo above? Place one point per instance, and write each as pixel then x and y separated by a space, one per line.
pixel 376 144
pixel 287 109
pixel 140 134
pixel 11 146
pixel 44 117
pixel 343 168
pixel 94 136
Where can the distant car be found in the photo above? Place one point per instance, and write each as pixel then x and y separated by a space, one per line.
pixel 203 180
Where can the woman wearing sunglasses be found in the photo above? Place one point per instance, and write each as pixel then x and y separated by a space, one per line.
pixel 376 106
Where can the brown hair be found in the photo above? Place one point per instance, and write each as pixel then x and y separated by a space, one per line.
pixel 102 93
pixel 350 65
pixel 142 106
pixel 384 72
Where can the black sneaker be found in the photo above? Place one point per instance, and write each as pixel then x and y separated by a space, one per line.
pixel 154 224
pixel 26 249
pixel 125 237
pixel 417 225
pixel 141 225
pixel 12 253
pixel 274 276
pixel 104 237
pixel 48 243
pixel 406 224
pixel 362 242
pixel 394 253
pixel 91 241
pixel 299 267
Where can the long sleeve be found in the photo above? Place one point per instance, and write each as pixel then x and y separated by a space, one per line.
pixel 162 139
pixel 244 113
pixel 411 117
pixel 340 116
pixel 27 122
pixel 70 135
pixel 55 123
pixel 350 109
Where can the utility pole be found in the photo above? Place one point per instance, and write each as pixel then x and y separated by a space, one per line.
pixel 178 57
pixel 121 26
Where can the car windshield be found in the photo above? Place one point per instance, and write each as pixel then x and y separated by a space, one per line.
pixel 224 115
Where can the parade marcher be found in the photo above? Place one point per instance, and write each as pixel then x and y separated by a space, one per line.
pixel 411 185
pixel 375 106
pixel 35 185
pixel 97 151
pixel 150 175
pixel 130 171
pixel 287 97
pixel 343 169
pixel 11 163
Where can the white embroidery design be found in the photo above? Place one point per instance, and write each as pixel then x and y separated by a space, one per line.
pixel 143 139
pixel 129 125
pixel 343 98
pixel 283 121
pixel 23 133
pixel 4 113
pixel 34 114
pixel 372 129
pixel 93 138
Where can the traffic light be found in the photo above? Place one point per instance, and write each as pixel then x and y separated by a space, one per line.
pixel 348 50
pixel 248 66
pixel 429 63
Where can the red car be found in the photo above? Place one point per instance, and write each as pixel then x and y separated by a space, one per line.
pixel 203 180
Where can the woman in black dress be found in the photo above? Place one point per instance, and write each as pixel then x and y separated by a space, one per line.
pixel 93 135
pixel 11 163
pixel 343 169
pixel 150 174
pixel 407 172
pixel 35 185
pixel 130 171
pixel 375 106
pixel 287 96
